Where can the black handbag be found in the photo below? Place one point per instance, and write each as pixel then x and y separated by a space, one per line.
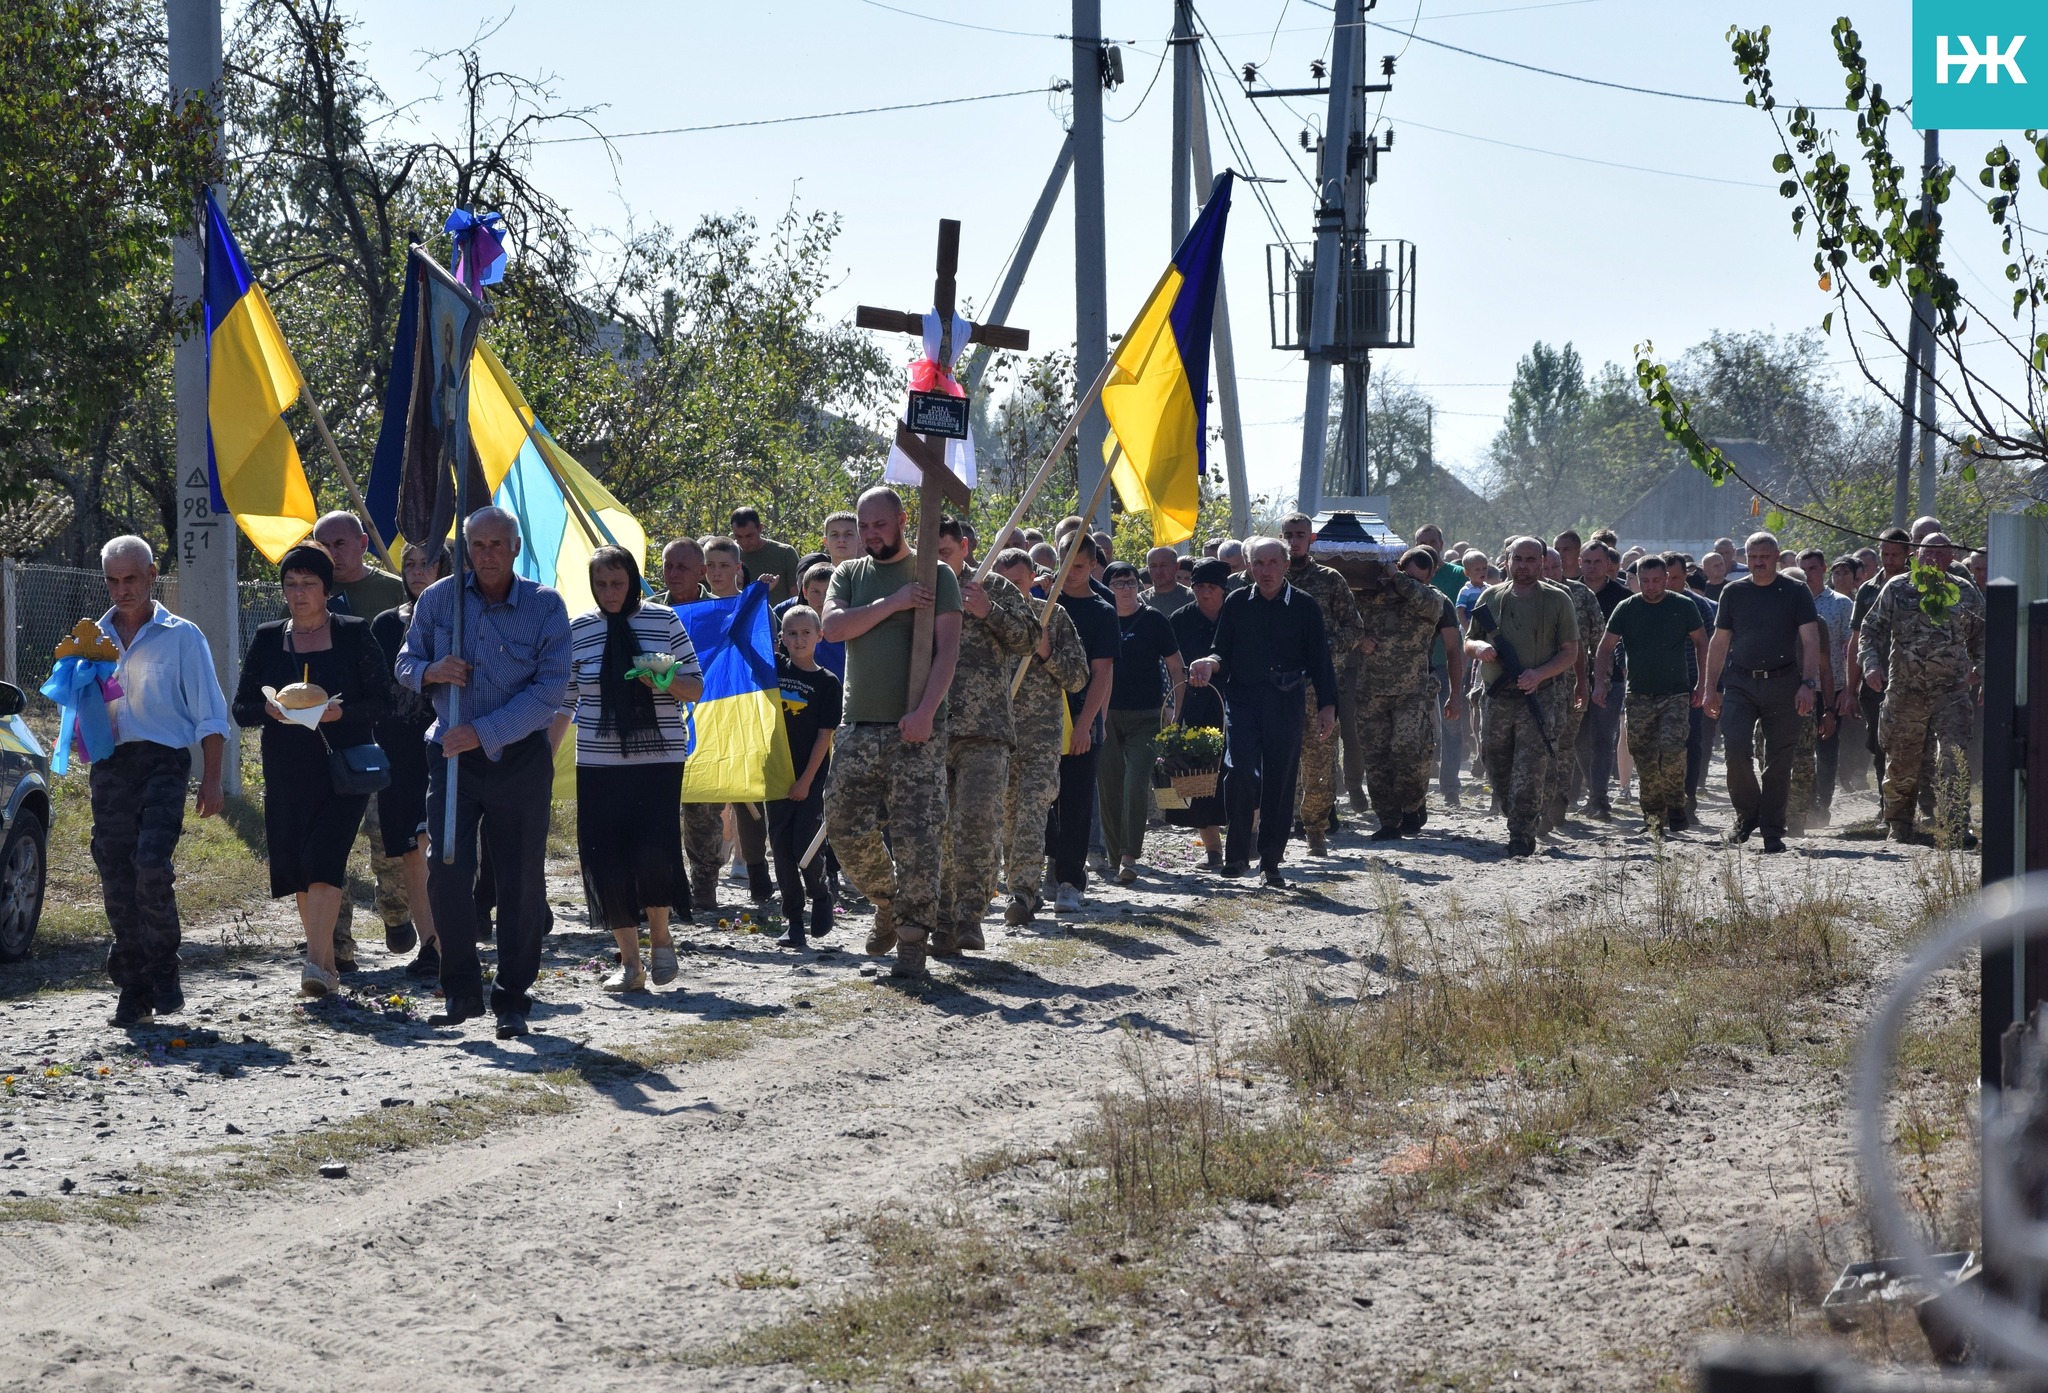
pixel 354 770
pixel 358 769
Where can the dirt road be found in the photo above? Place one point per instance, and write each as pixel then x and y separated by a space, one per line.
pixel 613 1225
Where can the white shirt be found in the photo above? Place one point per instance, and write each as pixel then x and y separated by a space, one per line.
pixel 169 693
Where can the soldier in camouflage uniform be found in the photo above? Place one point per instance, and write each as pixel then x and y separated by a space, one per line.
pixel 1658 627
pixel 885 808
pixel 996 629
pixel 1399 616
pixel 1540 622
pixel 1571 708
pixel 1038 712
pixel 1923 666
pixel 1332 594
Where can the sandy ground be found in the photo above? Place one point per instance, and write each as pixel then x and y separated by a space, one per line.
pixel 580 1250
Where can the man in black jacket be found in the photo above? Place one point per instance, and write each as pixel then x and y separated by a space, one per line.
pixel 1270 643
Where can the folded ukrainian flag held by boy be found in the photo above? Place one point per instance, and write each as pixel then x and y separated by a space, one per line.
pixel 1157 399
pixel 739 749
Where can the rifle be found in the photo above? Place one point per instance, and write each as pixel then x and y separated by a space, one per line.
pixel 1510 668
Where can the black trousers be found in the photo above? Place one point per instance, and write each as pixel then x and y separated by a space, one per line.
pixel 1068 825
pixel 1598 730
pixel 1695 750
pixel 138 814
pixel 504 804
pixel 1747 701
pixel 1872 704
pixel 1262 735
pixel 1827 763
pixel 791 825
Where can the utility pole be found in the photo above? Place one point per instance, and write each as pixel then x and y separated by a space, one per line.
pixel 205 540
pixel 1091 261
pixel 1930 156
pixel 1183 116
pixel 1919 373
pixel 1346 43
pixel 1225 354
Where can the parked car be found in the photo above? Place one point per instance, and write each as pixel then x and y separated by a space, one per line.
pixel 24 826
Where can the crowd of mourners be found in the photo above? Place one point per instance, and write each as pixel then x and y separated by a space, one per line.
pixel 1024 769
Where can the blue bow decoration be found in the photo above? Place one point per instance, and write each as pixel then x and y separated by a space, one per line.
pixel 479 247
pixel 77 685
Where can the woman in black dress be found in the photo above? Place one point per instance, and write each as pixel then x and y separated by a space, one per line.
pixel 402 808
pixel 309 827
pixel 1195 627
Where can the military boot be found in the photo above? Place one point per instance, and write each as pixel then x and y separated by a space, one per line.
pixel 1318 843
pixel 909 960
pixel 969 938
pixel 1020 911
pixel 882 937
pixel 945 943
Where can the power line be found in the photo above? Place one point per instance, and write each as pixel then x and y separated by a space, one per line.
pixel 815 116
pixel 1569 77
pixel 1588 159
pixel 1158 69
pixel 962 24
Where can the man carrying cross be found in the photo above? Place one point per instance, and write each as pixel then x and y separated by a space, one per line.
pixel 889 759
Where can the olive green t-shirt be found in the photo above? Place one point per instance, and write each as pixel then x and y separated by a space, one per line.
pixel 1658 637
pixel 1536 625
pixel 376 592
pixel 773 559
pixel 878 662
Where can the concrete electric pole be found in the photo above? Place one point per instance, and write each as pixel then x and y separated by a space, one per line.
pixel 1222 348
pixel 1346 44
pixel 1917 400
pixel 1091 261
pixel 205 540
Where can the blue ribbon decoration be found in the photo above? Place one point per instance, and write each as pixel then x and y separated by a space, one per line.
pixel 75 685
pixel 479 247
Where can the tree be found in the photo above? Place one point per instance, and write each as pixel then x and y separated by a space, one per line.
pixel 1989 408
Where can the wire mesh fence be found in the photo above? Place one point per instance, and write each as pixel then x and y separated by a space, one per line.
pixel 43 603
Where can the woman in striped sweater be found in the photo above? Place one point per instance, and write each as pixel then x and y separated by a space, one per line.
pixel 630 739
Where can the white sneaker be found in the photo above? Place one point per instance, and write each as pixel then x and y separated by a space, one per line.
pixel 632 979
pixel 1069 899
pixel 314 982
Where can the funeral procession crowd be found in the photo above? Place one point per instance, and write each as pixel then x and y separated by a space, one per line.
pixel 1074 700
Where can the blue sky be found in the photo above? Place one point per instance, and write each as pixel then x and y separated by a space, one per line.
pixel 1514 244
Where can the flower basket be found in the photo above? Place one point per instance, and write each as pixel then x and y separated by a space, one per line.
pixel 1187 764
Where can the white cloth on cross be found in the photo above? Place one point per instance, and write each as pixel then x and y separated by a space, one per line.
pixel 959 453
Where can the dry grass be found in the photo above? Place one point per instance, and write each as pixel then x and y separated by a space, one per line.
pixel 1471 1066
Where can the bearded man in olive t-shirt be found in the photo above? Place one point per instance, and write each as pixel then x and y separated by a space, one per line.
pixel 889 759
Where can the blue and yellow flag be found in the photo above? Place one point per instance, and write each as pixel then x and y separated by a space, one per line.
pixel 554 548
pixel 252 463
pixel 739 750
pixel 1157 399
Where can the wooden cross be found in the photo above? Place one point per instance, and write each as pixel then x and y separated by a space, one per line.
pixel 936 481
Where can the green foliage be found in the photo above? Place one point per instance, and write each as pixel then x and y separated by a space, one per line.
pixel 97 170
pixel 1938 591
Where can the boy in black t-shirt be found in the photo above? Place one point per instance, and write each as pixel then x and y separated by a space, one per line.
pixel 810 714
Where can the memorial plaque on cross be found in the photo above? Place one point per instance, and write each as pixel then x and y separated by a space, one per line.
pixel 928 452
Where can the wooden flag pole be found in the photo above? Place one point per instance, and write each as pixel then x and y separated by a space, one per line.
pixel 1059 579
pixel 348 480
pixel 1059 445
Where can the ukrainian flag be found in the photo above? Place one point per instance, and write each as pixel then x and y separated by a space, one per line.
pixel 1157 398
pixel 252 463
pixel 554 548
pixel 739 750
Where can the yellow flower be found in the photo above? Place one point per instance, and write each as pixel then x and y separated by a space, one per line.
pixel 105 1070
pixel 179 1043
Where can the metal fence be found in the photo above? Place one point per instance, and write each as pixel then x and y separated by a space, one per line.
pixel 39 605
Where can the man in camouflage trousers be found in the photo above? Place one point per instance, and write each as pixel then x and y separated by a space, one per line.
pixel 1924 667
pixel 1537 622
pixel 996 629
pixel 1332 594
pixel 1399 615
pixel 1571 705
pixel 1038 713
pixel 889 757
pixel 1658 628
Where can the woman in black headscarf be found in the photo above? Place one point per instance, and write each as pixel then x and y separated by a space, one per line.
pixel 307 825
pixel 630 741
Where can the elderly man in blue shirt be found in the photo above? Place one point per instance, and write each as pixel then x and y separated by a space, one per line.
pixel 512 671
pixel 168 701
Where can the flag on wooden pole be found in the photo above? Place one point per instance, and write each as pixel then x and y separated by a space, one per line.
pixel 1157 396
pixel 252 463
